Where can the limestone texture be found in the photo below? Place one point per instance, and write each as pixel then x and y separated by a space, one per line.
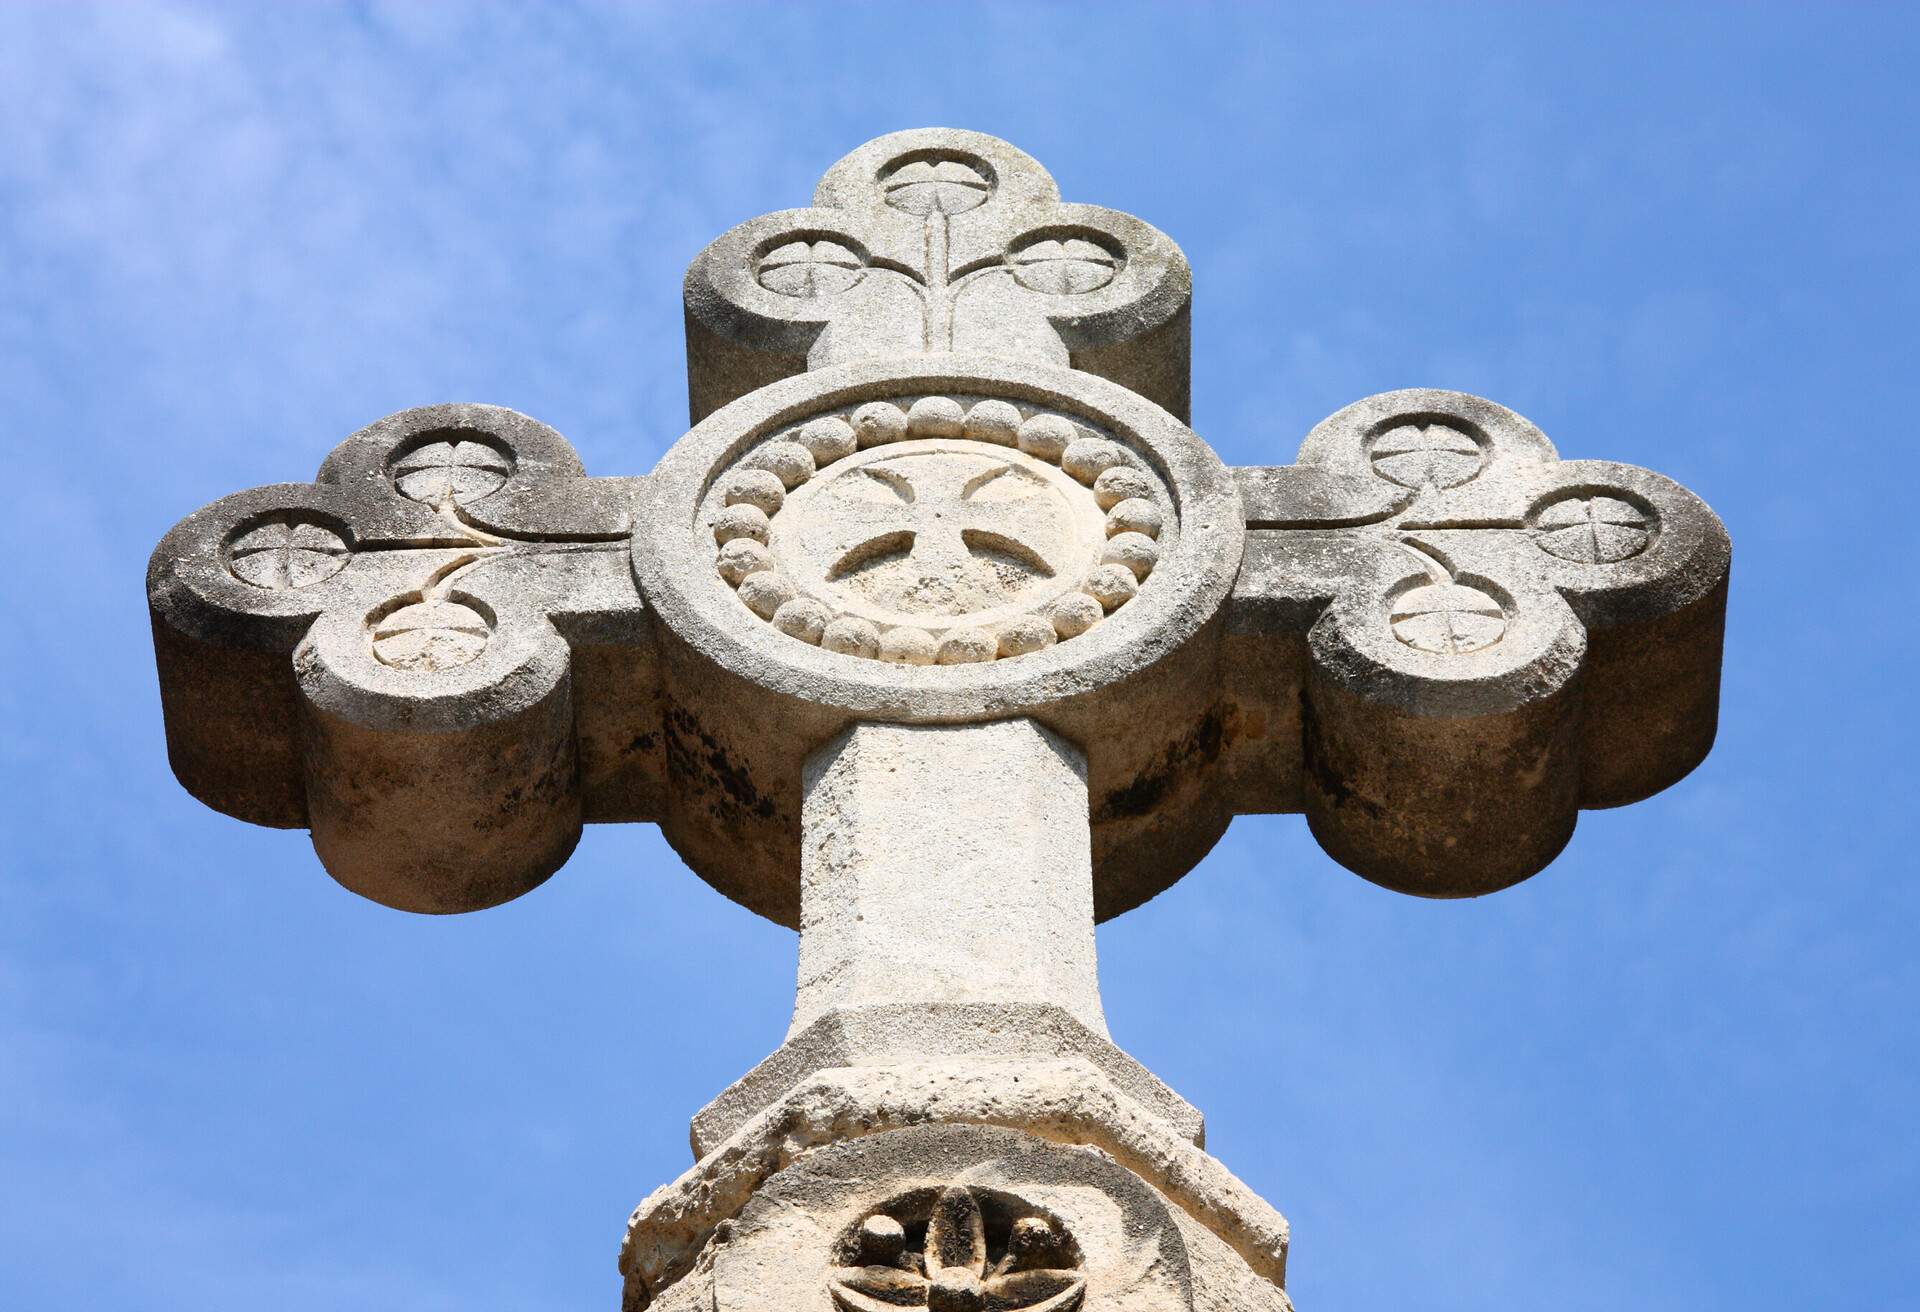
pixel 775 1221
pixel 939 637
pixel 946 863
pixel 938 240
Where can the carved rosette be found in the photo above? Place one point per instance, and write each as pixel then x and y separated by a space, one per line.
pixel 952 1218
pixel 940 539
pixel 1016 532
pixel 937 529
pixel 958 1249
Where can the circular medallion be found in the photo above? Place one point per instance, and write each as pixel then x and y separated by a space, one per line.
pixel 937 182
pixel 457 466
pixel 1592 529
pixel 286 550
pixel 942 530
pixel 1427 452
pixel 963 514
pixel 429 635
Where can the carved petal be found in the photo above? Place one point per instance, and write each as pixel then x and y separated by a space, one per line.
pixel 1036 1291
pixel 877 1288
pixel 956 1236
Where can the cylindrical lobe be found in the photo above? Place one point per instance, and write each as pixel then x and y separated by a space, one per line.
pixel 1444 774
pixel 440 804
pixel 231 716
pixel 1441 807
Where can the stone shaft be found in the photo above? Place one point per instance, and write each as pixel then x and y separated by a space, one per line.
pixel 946 863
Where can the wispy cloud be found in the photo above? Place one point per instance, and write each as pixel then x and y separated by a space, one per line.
pixel 231 234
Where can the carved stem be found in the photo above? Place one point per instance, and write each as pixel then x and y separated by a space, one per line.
pixel 939 336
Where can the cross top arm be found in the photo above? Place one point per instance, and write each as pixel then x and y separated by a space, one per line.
pixel 938 240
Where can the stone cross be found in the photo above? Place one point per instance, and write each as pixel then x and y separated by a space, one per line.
pixel 939 637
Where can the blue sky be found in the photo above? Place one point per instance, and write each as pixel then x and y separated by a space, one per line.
pixel 1675 1072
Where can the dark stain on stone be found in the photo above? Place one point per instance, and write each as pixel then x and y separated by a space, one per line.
pixel 642 743
pixel 1245 722
pixel 540 784
pixel 1326 777
pixel 693 753
pixel 1193 751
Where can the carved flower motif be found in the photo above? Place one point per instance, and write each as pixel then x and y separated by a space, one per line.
pixel 287 551
pixel 927 186
pixel 810 269
pixel 953 1269
pixel 457 469
pixel 1072 266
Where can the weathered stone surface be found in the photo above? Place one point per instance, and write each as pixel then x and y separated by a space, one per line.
pixel 886 1033
pixel 938 240
pixel 1441 640
pixel 946 864
pixel 943 535
pixel 947 913
pixel 1445 640
pixel 1105 1236
pixel 776 1212
pixel 409 657
pixel 940 636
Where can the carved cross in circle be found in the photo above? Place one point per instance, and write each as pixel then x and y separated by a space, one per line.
pixel 1434 455
pixel 1064 268
pixel 926 186
pixel 287 551
pixel 433 634
pixel 1448 619
pixel 808 269
pixel 457 469
pixel 947 530
pixel 1596 530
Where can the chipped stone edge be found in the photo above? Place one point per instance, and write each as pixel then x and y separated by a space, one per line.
pixel 1067 1102
pixel 1020 1032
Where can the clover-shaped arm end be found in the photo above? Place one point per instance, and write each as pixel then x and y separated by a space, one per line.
pixel 932 241
pixel 1469 639
pixel 388 656
pixel 759 296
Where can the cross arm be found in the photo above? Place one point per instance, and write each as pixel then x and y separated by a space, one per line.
pixel 1445 641
pixel 434 657
pixel 937 240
